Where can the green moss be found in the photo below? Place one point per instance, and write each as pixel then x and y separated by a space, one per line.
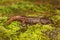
pixel 34 33
pixel 24 6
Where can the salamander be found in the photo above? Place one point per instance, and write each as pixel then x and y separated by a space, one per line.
pixel 29 20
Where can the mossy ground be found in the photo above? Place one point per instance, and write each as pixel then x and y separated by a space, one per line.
pixel 14 31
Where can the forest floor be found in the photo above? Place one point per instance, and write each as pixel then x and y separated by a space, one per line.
pixel 32 8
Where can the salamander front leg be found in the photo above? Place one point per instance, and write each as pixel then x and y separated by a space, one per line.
pixel 24 27
pixel 23 24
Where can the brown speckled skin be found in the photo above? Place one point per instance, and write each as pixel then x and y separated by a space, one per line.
pixel 29 20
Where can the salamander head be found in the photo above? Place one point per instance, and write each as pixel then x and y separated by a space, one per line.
pixel 45 21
